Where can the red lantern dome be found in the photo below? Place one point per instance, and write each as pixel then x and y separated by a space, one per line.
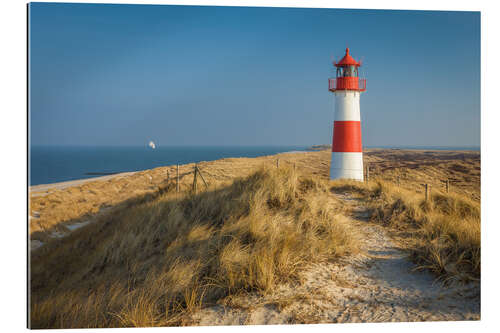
pixel 347 75
pixel 347 60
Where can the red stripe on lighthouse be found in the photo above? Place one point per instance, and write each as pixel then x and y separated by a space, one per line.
pixel 347 136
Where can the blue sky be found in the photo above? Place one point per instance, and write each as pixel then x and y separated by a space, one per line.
pixel 186 75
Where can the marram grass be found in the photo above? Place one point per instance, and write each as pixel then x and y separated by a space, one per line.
pixel 443 234
pixel 158 260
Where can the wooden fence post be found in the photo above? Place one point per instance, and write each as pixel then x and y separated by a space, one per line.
pixel 399 180
pixel 294 166
pixel 201 175
pixel 277 163
pixel 367 172
pixel 194 180
pixel 427 192
pixel 168 176
pixel 177 185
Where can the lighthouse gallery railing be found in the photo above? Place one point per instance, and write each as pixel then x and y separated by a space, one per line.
pixel 334 85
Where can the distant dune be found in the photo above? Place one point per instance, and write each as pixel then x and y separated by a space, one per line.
pixel 319 147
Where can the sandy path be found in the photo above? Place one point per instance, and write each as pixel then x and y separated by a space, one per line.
pixel 378 285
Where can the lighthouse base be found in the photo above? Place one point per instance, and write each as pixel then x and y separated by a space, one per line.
pixel 346 166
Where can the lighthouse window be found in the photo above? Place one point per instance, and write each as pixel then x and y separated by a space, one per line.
pixel 351 71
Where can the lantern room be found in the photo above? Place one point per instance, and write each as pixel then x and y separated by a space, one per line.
pixel 347 77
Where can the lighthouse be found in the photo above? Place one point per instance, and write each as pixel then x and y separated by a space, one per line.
pixel 347 151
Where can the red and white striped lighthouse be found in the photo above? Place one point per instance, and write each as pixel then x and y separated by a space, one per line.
pixel 347 151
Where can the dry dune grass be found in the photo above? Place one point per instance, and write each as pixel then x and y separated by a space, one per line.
pixel 86 200
pixel 417 167
pixel 166 255
pixel 51 210
pixel 443 234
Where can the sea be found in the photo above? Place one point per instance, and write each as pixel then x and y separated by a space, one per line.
pixel 53 164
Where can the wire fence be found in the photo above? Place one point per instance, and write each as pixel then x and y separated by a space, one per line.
pixel 199 177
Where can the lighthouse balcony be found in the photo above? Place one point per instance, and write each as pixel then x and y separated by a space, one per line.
pixel 346 83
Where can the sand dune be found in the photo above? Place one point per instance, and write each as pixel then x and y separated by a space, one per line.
pixel 62 204
pixel 100 235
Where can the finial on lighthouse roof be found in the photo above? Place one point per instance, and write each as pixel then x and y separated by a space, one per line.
pixel 347 60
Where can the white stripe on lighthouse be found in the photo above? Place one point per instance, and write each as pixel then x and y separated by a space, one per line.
pixel 347 106
pixel 346 166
